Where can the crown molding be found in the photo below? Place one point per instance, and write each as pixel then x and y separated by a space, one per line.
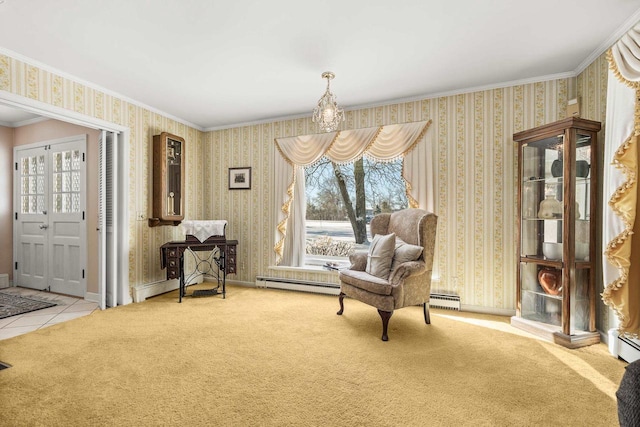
pixel 628 24
pixel 423 97
pixel 50 69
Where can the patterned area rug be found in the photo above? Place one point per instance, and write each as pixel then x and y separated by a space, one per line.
pixel 11 305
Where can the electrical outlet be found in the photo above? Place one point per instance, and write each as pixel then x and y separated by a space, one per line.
pixel 140 216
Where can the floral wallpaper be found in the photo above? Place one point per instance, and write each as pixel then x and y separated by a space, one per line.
pixel 471 138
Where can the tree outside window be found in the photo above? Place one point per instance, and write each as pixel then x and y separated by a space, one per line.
pixel 348 196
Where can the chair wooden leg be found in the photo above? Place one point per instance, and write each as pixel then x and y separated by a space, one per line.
pixel 340 298
pixel 385 316
pixel 427 318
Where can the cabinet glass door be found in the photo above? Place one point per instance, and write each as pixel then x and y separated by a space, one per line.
pixel 541 231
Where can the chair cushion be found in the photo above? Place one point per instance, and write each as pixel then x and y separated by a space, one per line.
pixel 404 253
pixel 381 255
pixel 365 281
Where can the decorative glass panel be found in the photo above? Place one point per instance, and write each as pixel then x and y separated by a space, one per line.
pixel 33 166
pixel 66 160
pixel 57 162
pixel 33 185
pixel 25 204
pixel 66 203
pixel 40 203
pixel 75 160
pixel 75 181
pixel 57 182
pixel 66 181
pixel 57 203
pixel 41 165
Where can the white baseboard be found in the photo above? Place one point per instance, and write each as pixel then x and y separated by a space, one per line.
pixel 239 283
pixel 147 290
pixel 92 296
pixel 488 310
pixel 144 291
pixel 4 280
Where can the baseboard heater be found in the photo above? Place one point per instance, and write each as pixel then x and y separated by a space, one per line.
pixel 446 301
pixel 297 285
pixel 629 349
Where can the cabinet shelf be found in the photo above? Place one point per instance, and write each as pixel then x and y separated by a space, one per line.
pixel 557 178
pixel 544 294
pixel 541 260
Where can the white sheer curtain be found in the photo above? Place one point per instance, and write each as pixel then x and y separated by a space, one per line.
pixel 382 143
pixel 622 293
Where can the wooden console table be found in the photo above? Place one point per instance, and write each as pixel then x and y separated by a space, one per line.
pixel 219 262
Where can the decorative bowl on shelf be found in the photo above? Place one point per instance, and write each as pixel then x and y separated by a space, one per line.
pixel 550 280
pixel 551 250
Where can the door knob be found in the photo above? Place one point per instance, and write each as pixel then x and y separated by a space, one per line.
pixel 43 226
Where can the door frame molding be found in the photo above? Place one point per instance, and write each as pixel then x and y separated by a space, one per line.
pixel 122 190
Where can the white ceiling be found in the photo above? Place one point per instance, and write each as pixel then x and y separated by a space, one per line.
pixel 218 63
pixel 13 117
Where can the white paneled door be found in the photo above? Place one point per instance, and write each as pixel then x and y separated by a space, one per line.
pixel 49 207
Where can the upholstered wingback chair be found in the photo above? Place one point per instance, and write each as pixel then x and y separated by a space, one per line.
pixel 397 270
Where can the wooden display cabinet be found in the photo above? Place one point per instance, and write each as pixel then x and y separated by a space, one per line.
pixel 556 232
pixel 168 180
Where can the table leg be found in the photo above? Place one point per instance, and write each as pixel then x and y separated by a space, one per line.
pixel 181 290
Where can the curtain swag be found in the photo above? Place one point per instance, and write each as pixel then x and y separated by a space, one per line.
pixel 619 293
pixel 381 143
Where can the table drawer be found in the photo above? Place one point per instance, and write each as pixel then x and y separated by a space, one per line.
pixel 172 253
pixel 173 273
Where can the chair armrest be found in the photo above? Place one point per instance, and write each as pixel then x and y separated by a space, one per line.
pixel 405 270
pixel 358 261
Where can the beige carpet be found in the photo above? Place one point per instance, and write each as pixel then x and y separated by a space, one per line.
pixel 266 357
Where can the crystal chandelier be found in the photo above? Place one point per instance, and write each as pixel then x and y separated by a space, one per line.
pixel 327 114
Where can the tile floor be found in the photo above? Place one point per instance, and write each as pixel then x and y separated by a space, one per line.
pixel 67 308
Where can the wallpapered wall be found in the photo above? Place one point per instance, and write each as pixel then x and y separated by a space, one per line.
pixel 32 82
pixel 472 140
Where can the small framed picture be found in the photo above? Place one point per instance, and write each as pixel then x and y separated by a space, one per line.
pixel 239 178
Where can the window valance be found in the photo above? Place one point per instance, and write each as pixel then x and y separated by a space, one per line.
pixel 381 143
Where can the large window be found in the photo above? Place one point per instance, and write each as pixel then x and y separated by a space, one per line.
pixel 342 199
